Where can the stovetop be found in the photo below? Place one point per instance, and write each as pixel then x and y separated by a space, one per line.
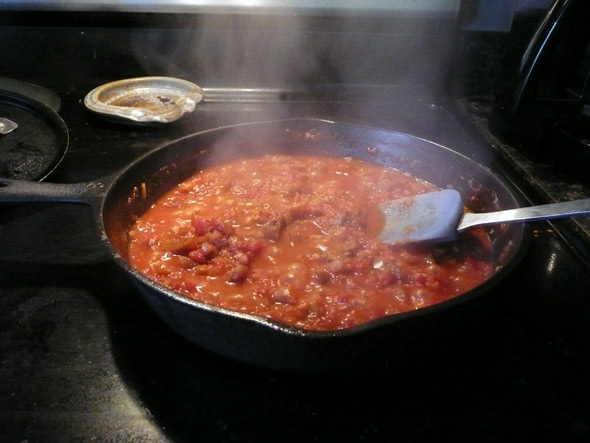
pixel 84 359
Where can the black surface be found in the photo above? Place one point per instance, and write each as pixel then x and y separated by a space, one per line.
pixel 84 359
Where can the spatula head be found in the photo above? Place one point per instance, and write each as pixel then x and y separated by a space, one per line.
pixel 432 217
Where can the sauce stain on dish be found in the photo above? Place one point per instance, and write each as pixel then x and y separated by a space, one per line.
pixel 145 100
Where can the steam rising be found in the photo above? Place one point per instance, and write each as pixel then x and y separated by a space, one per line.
pixel 296 52
pixel 268 65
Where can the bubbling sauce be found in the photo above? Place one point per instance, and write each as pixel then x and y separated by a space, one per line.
pixel 293 239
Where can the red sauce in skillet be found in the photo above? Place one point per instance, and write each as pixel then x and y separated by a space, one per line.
pixel 293 239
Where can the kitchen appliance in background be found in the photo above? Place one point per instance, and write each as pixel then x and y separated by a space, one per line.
pixel 546 114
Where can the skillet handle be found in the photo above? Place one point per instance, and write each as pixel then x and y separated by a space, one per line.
pixel 21 191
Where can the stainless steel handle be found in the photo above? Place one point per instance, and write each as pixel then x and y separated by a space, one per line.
pixel 540 212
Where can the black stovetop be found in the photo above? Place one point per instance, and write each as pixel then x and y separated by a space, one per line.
pixel 84 359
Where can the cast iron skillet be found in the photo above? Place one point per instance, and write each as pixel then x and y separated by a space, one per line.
pixel 120 198
pixel 38 145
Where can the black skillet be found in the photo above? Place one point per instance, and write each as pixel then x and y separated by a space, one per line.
pixel 39 143
pixel 119 199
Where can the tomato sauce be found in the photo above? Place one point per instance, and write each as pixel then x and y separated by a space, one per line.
pixel 292 238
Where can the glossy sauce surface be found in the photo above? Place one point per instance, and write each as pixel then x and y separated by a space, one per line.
pixel 293 239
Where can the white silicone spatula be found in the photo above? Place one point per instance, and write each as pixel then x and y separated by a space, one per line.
pixel 439 216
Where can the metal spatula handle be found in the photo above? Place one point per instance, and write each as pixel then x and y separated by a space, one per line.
pixel 531 213
pixel 439 216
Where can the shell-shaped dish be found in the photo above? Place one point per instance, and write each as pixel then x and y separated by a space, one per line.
pixel 145 100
